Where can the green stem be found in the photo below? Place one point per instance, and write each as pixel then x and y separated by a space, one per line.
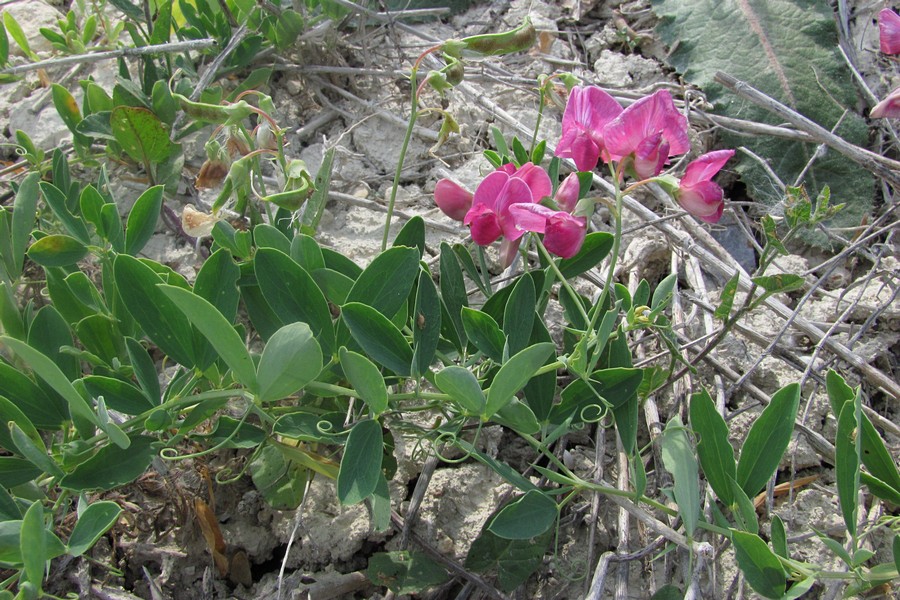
pixel 562 280
pixel 413 114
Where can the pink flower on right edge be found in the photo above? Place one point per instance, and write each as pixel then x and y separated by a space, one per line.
pixel 696 193
pixel 889 108
pixel 889 31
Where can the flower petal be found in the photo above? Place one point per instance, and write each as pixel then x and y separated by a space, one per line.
pixel 530 217
pixel 484 224
pixel 703 199
pixel 537 180
pixel 567 193
pixel 889 108
pixel 489 190
pixel 646 117
pixel 565 234
pixel 889 31
pixel 704 167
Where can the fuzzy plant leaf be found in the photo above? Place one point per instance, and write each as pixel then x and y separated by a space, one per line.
pixel 788 49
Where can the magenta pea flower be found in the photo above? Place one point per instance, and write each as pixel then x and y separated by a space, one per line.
pixel 889 31
pixel 588 110
pixel 648 132
pixel 889 108
pixel 563 233
pixel 489 217
pixel 453 199
pixel 697 193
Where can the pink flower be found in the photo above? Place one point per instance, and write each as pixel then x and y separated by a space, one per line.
pixel 889 31
pixel 453 199
pixel 889 108
pixel 649 132
pixel 563 233
pixel 696 193
pixel 567 193
pixel 489 217
pixel 588 110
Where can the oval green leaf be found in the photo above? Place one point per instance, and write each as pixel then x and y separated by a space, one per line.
pixel 767 440
pixel 514 374
pixel 218 332
pixel 142 219
pixel 713 448
pixel 461 385
pixel 678 458
pixel 57 250
pixel 525 518
pixel 361 464
pixel 366 379
pixel 378 337
pixel 387 281
pixel 141 134
pixel 93 523
pixel 760 566
pixel 291 359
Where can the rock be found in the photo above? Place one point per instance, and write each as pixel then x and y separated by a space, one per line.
pixel 32 15
pixel 625 71
pixel 45 128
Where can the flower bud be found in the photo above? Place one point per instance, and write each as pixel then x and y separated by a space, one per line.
pixel 453 200
pixel 567 193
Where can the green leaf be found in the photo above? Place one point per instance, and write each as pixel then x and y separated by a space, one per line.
pixel 24 211
pixel 760 566
pixel 779 537
pixel 426 325
pixel 57 250
pixel 33 543
pixel 518 416
pixel 482 330
pixel 526 517
pixel 379 338
pixel 291 359
pixel 518 315
pixel 361 463
pixel 387 281
pixel 513 560
pixel 47 370
pixel 56 199
pixel 726 297
pixel 785 48
pixel 838 391
pixel 461 385
pixel 218 331
pixel 846 465
pixel 157 315
pixel 280 480
pixel 782 282
pixel 34 451
pixel 100 335
pixel 405 572
pixel 68 111
pixel 315 206
pixel 678 458
pixel 144 370
pixel 267 236
pixel 11 414
pixel 412 235
pixel 875 455
pixel 294 295
pixel 514 374
pixel 142 219
pixel 311 427
pixel 366 379
pixel 141 134
pixel 453 289
pixel 767 440
pixel 112 466
pixel 45 411
pixel 594 249
pixel 663 292
pixel 306 252
pixel 91 525
pixel 743 510
pixel 117 394
pixel 217 282
pixel 713 448
pixel 895 548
